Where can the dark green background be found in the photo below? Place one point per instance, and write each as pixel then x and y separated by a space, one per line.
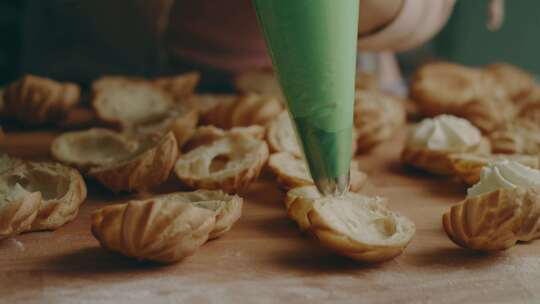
pixel 465 38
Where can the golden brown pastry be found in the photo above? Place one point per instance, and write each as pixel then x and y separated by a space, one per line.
pixel 118 162
pixel 518 137
pixel 227 208
pixel 281 137
pixel 356 226
pixel 62 190
pixel 468 166
pixel 206 103
pixel 446 88
pixel 247 110
pixel 531 112
pixel 155 229
pixel 292 172
pixel 501 209
pixel 431 142
pixel 180 87
pixel 298 202
pixel 230 161
pixel 496 220
pixel 147 168
pixel 377 117
pixel 93 148
pixel 18 207
pixel 181 120
pixel 516 82
pixel 35 100
pixel 131 103
pixel 141 106
pixel 205 135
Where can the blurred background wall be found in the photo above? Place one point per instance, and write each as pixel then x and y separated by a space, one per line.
pixel 11 12
pixel 464 39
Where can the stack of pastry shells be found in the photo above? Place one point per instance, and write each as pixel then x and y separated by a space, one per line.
pixel 498 159
pixel 214 144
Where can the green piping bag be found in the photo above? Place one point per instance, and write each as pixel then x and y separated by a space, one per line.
pixel 313 48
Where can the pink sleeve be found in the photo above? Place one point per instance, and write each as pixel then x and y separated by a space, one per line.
pixel 417 22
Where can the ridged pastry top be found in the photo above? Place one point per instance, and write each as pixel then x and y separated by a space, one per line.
pixel 444 132
pixel 504 174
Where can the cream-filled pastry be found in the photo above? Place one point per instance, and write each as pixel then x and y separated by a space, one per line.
pixel 431 142
pixel 505 175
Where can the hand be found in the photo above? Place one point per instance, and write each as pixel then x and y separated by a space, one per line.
pixel 375 14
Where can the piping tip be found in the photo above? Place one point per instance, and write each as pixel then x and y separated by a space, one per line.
pixel 333 185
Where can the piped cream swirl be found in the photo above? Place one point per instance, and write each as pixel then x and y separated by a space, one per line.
pixel 504 174
pixel 444 132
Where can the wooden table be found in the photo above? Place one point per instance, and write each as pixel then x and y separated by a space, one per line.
pixel 265 259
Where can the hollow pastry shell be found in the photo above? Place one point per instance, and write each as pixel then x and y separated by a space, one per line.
pixel 36 100
pixel 245 155
pixel 494 221
pixel 149 167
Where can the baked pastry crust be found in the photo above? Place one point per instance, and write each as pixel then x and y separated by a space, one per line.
pixel 496 220
pixel 230 161
pixel 180 87
pixel 447 88
pixel 299 202
pixel 292 172
pixel 516 82
pixel 247 110
pixel 227 208
pixel 62 190
pixel 92 148
pixel 206 135
pixel 377 117
pixel 18 208
pixel 36 100
pixel 130 103
pixel 281 137
pixel 119 162
pixel 181 119
pixel 206 103
pixel 359 227
pixel 62 194
pixel 153 229
pixel 439 161
pixel 519 137
pixel 530 112
pixel 147 168
pixel 468 166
